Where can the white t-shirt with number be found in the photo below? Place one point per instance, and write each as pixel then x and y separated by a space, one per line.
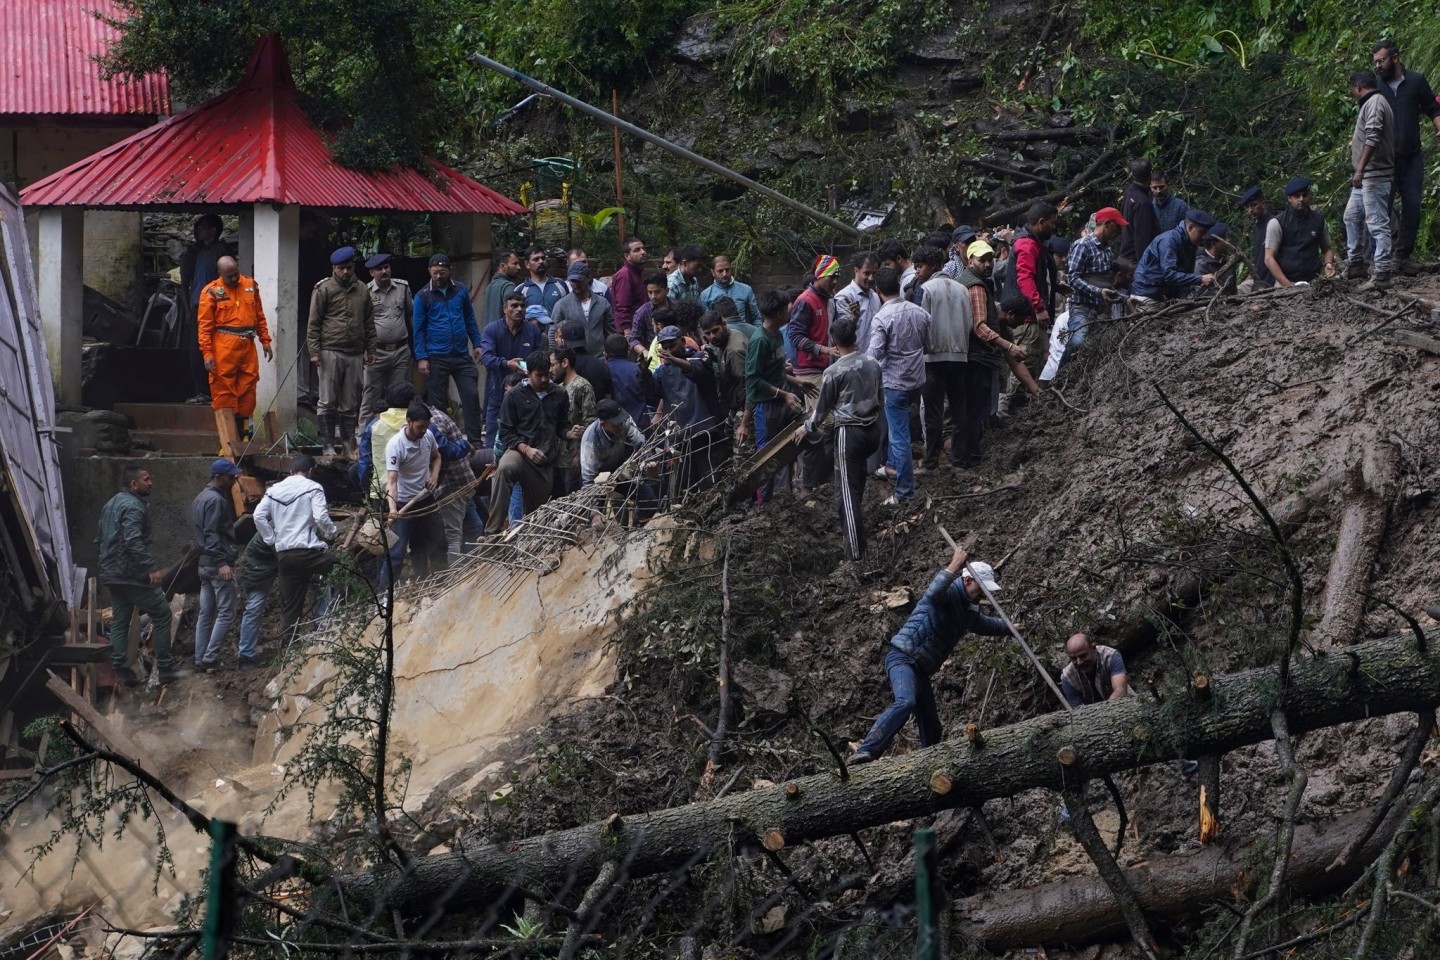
pixel 410 459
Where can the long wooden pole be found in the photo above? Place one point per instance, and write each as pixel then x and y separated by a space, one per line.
pixel 1039 667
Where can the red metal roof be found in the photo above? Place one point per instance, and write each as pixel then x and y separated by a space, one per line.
pixel 249 145
pixel 48 51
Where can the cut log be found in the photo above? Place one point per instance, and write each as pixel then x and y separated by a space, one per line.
pixel 1393 677
pixel 1081 910
pixel 99 725
pixel 1375 482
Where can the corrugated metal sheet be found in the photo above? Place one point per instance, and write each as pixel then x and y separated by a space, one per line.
pixel 252 144
pixel 29 452
pixel 48 66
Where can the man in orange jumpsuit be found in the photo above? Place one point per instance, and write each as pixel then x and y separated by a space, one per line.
pixel 230 317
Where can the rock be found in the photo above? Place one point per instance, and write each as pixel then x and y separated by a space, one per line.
pixel 893 599
pixel 961 81
pixel 1059 120
pixel 946 46
pixel 699 42
pixel 764 689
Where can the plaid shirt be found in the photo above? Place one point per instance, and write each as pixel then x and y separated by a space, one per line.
pixel 1088 256
pixel 455 469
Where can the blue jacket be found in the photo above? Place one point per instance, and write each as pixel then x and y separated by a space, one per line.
pixel 943 615
pixel 741 293
pixel 1166 268
pixel 628 389
pixel 546 296
pixel 444 322
pixel 497 345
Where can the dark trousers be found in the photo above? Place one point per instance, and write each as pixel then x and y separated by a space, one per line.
pixel 535 484
pixel 1409 187
pixel 975 381
pixel 425 531
pixel 125 601
pixel 297 569
pixel 944 383
pixel 190 345
pixel 467 384
pixel 854 445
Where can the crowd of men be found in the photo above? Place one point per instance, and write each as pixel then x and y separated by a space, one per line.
pixel 889 366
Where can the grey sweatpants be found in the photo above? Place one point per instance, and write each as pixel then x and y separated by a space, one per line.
pixel 390 368
pixel 341 375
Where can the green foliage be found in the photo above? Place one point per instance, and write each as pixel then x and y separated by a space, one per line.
pixel 369 72
pixel 819 54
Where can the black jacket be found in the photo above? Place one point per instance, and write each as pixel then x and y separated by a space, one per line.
pixel 1137 207
pixel 212 521
pixel 536 421
pixel 1414 100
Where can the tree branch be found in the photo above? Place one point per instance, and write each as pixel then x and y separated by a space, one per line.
pixel 1284 835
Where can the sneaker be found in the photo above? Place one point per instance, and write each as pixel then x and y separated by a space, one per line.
pixel 174 673
pixel 891 501
pixel 1355 270
pixel 249 663
pixel 207 666
pixel 859 757
pixel 1407 267
pixel 199 398
pixel 1380 281
pixel 884 473
pixel 127 676
pixel 926 468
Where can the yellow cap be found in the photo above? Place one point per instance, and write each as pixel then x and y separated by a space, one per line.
pixel 979 249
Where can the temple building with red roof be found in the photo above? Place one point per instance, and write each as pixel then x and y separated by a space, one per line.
pixel 56 107
pixel 252 152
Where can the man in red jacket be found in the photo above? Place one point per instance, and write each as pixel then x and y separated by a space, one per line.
pixel 809 334
pixel 1034 274
pixel 627 287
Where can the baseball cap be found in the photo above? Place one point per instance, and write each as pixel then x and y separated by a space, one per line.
pixel 984 573
pixel 1110 215
pixel 669 334
pixel 1200 218
pixel 343 255
pixel 608 411
pixel 1217 232
pixel 1058 244
pixel 1297 185
pixel 537 313
pixel 439 260
pixel 224 468
pixel 979 249
pixel 379 260
pixel 578 271
pixel 1251 195
pixel 962 234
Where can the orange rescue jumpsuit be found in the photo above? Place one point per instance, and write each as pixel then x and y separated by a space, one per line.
pixel 230 319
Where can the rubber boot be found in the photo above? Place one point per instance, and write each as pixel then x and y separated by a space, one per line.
pixel 345 444
pixel 327 428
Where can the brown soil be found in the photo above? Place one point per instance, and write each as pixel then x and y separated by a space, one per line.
pixel 1101 499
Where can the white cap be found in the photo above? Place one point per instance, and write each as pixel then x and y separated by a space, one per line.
pixel 984 573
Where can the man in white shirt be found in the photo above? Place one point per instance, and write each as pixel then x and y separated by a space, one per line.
pixel 412 472
pixel 294 519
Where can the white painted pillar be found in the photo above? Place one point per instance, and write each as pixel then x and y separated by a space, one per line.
pixel 246 252
pixel 62 295
pixel 275 250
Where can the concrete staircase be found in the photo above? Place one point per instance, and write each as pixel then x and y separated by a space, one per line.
pixel 184 429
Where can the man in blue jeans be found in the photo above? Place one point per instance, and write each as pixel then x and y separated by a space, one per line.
pixel 447 345
pixel 212 520
pixel 945 612
pixel 412 471
pixel 899 335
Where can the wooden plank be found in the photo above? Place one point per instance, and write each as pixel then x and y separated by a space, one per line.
pixel 1419 341
pixel 778 454
pixel 272 428
pixel 100 726
pixel 92 588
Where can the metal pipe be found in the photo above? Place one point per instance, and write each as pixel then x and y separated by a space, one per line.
pixel 664 144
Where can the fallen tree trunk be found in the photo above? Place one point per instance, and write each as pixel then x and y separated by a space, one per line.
pixel 1081 910
pixel 1370 679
